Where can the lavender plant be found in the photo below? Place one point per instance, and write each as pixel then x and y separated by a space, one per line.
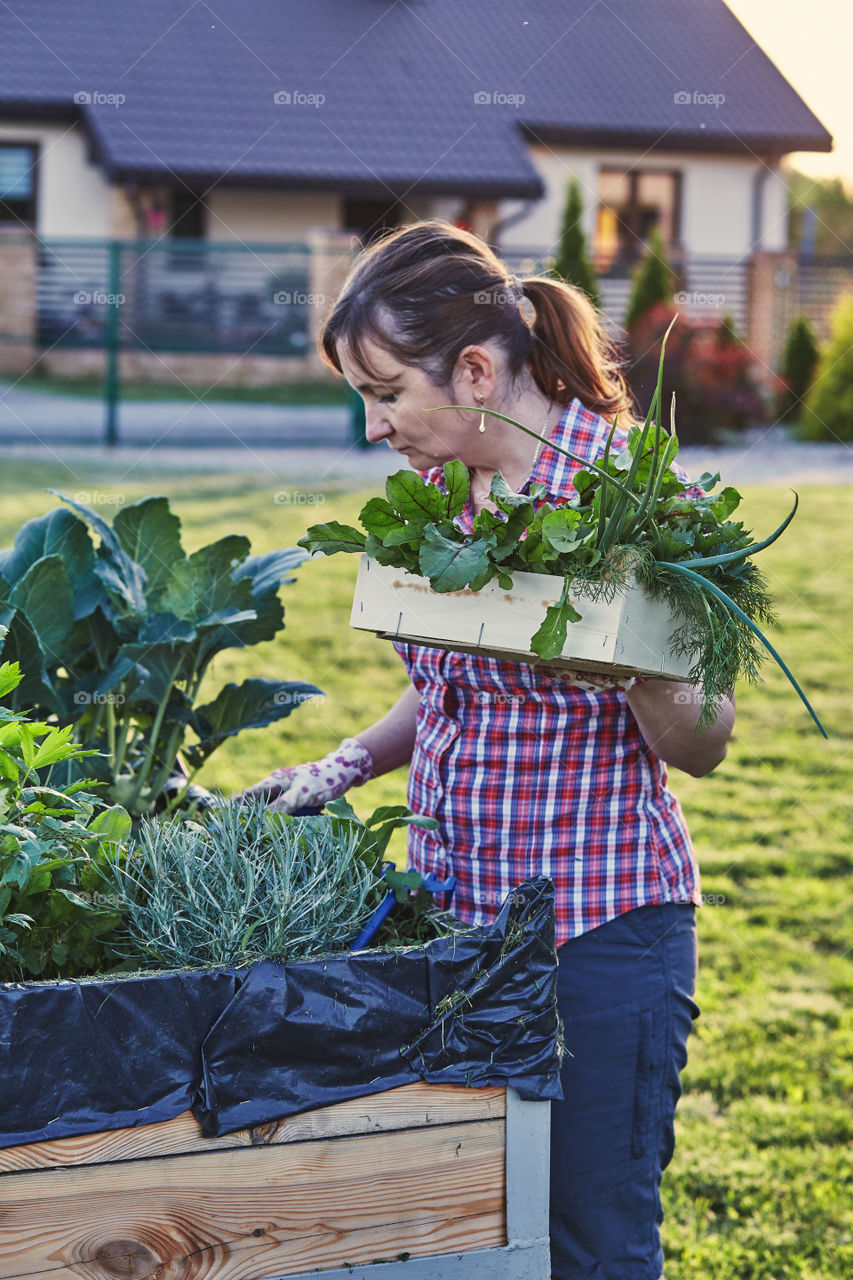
pixel 242 884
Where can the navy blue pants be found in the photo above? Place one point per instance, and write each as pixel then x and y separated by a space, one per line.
pixel 624 992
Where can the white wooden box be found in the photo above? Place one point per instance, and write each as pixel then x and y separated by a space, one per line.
pixel 629 636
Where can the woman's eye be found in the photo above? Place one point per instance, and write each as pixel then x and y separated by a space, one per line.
pixel 387 399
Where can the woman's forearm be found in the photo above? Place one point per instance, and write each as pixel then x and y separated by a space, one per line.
pixel 667 712
pixel 391 740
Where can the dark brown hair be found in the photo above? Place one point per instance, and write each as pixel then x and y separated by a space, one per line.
pixel 426 291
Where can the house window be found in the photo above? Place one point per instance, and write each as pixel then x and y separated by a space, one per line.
pixel 631 204
pixel 17 184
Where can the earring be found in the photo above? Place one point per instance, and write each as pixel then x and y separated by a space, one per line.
pixel 482 426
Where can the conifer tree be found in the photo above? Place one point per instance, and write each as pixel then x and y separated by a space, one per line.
pixel 572 262
pixel 828 411
pixel 799 363
pixel 653 281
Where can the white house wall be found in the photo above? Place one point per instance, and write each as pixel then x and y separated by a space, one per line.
pixel 716 199
pixel 72 197
pixel 269 216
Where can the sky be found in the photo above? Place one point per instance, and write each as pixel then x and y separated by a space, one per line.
pixel 810 42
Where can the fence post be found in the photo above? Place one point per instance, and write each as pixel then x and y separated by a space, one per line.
pixel 111 347
pixel 357 420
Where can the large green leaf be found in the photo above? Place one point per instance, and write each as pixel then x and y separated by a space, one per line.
pixel 451 565
pixel 379 518
pixel 267 573
pixel 122 577
pixel 21 645
pixel 505 498
pixel 44 595
pixel 10 677
pixel 413 498
pixel 563 529
pixel 157 667
pixel 203 586
pixel 270 571
pixel 151 535
pixel 254 704
pixel 457 484
pixel 331 537
pixel 403 556
pixel 112 825
pixel 63 534
pixel 550 640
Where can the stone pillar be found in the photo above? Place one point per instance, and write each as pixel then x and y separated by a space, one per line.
pixel 123 220
pixel 18 301
pixel 772 300
pixel 332 254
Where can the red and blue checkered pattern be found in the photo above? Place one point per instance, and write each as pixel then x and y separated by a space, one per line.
pixel 530 776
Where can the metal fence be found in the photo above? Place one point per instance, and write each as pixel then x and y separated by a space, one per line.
pixel 174 295
pixel 709 286
pixel 762 293
pixel 205 297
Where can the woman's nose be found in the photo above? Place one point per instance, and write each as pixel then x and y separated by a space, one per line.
pixel 376 425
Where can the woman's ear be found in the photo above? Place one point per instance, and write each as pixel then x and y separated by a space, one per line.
pixel 475 373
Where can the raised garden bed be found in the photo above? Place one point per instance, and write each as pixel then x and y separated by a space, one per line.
pixel 403 1181
pixel 355 1114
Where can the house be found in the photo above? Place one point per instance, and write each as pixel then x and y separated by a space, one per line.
pixel 273 122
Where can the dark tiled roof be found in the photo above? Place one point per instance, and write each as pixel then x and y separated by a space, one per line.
pixel 398 80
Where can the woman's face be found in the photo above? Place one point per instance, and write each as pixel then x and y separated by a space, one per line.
pixel 395 410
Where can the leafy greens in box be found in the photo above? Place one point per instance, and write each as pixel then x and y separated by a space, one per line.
pixel 630 520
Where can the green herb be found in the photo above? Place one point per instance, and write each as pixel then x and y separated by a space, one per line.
pixel 57 844
pixel 117 640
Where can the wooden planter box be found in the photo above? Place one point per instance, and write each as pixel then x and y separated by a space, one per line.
pixel 426 1182
pixel 629 636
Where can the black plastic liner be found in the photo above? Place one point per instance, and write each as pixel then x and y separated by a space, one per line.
pixel 247 1046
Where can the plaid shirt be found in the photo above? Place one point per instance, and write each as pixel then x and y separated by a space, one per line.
pixel 528 775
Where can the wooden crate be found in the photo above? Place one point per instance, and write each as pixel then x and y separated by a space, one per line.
pixel 629 636
pixel 426 1182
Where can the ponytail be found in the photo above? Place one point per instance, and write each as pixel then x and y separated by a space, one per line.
pixel 571 356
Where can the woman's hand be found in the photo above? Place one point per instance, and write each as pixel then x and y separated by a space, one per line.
pixel 667 712
pixel 305 786
pixel 378 749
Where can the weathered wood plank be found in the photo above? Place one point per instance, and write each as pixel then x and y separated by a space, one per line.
pixel 413 1106
pixel 263 1211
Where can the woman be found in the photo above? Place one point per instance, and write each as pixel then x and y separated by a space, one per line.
pixel 528 770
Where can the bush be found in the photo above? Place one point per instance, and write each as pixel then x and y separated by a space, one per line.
pixel 828 411
pixel 572 262
pixel 707 366
pixel 799 362
pixel 653 283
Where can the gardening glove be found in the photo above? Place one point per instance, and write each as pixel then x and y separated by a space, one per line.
pixel 305 786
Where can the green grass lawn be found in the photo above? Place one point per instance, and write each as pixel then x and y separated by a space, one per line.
pixel 761 1185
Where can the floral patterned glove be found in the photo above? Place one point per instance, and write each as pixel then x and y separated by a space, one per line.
pixel 305 786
